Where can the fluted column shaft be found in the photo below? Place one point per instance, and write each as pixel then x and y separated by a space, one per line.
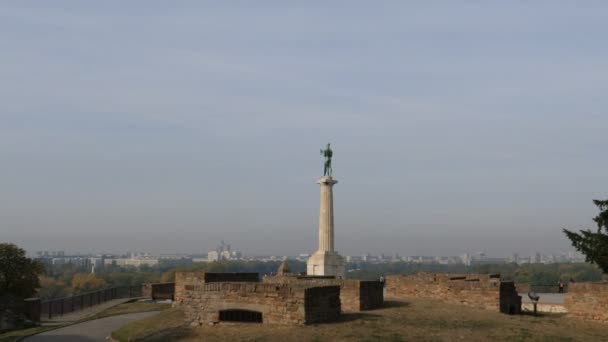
pixel 326 214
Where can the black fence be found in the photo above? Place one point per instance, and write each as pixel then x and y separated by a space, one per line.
pixel 61 306
pixel 548 288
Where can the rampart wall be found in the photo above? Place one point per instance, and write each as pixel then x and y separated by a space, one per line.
pixel 278 303
pixel 355 295
pixel 588 301
pixel 476 290
pixel 196 278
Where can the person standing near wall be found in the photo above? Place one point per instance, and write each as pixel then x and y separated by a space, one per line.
pixel 561 286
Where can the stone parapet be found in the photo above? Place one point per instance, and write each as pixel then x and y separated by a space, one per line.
pixel 183 279
pixel 476 290
pixel 355 295
pixel 275 303
pixel 587 301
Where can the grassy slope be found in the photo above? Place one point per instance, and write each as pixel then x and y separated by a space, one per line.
pixel 128 308
pixel 419 320
pixel 157 327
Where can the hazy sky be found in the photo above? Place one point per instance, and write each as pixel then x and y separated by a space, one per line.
pixel 166 127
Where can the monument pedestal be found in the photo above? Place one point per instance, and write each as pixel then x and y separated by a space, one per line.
pixel 326 261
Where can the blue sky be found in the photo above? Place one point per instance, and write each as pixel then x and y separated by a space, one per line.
pixel 457 126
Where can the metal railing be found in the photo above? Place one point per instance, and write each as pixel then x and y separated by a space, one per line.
pixel 61 306
pixel 547 288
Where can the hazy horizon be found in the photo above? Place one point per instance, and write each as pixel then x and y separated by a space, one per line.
pixel 164 127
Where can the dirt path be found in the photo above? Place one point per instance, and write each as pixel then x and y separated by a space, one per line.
pixel 95 330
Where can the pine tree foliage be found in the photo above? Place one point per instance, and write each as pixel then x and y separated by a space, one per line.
pixel 594 244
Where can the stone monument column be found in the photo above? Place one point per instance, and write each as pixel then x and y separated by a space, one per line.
pixel 326 214
pixel 326 261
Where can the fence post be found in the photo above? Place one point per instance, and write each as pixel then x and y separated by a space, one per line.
pixel 61 307
pixel 50 309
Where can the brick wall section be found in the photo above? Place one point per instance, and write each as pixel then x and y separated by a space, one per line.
pixel 588 301
pixel 183 279
pixel 476 290
pixel 291 304
pixel 159 290
pixel 198 278
pixel 278 303
pixel 355 295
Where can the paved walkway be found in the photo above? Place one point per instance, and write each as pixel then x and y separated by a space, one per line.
pixel 95 330
pixel 545 298
pixel 82 314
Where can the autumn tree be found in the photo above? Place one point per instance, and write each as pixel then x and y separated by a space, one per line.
pixel 86 282
pixel 594 244
pixel 18 273
pixel 51 288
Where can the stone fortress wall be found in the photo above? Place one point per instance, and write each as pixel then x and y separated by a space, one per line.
pixel 206 301
pixel 355 295
pixel 183 279
pixel 476 290
pixel 588 301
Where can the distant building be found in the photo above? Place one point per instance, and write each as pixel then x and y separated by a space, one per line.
pixel 213 256
pixel 223 252
pixel 466 259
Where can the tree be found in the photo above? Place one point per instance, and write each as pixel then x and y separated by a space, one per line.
pixel 594 245
pixel 86 282
pixel 18 273
pixel 51 288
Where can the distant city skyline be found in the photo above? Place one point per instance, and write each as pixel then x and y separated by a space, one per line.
pixel 456 126
pixel 237 254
